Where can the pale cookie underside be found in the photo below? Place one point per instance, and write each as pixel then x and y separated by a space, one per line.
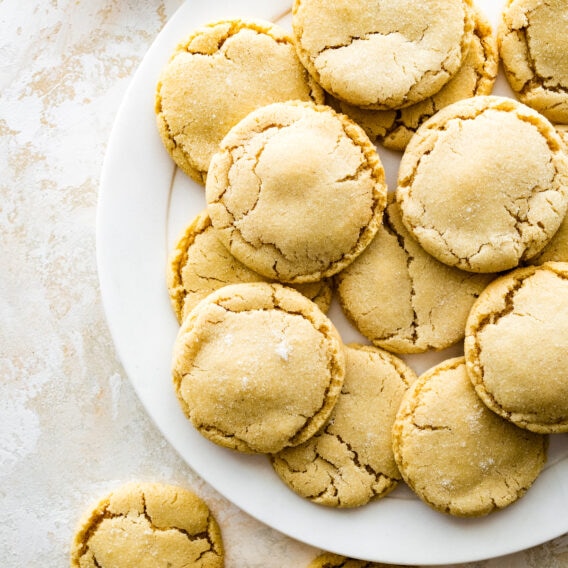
pixel 296 192
pixel 476 76
pixel 516 346
pixel 280 374
pixel 533 43
pixel 382 54
pixel 140 522
pixel 221 73
pixel 456 454
pixel 349 462
pixel 474 202
pixel 403 299
pixel 200 264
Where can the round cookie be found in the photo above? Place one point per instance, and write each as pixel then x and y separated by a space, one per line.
pixel 403 299
pixel 516 347
pixel 296 191
pixel 533 43
pixel 145 525
pixel 349 462
pixel 330 560
pixel 382 55
pixel 199 264
pixel 458 456
pixel 476 76
pixel 483 185
pixel 257 367
pixel 223 71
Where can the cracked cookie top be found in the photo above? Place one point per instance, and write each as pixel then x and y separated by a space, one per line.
pixel 483 185
pixel 533 43
pixel 257 367
pixel 330 560
pixel 349 462
pixel 458 456
pixel 380 54
pixel 476 76
pixel 200 264
pixel 223 71
pixel 146 525
pixel 516 344
pixel 296 191
pixel 432 300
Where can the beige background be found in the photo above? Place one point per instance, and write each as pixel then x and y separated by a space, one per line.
pixel 71 427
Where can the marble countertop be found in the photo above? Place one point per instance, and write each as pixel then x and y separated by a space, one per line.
pixel 71 426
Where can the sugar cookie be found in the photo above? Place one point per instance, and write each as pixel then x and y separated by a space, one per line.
pixel 458 456
pixel 257 367
pixel 476 76
pixel 382 55
pixel 296 191
pixel 475 202
pixel 403 299
pixel 222 72
pixel 517 347
pixel 349 461
pixel 145 525
pixel 199 264
pixel 330 560
pixel 533 43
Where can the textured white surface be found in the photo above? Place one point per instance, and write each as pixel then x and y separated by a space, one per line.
pixel 71 427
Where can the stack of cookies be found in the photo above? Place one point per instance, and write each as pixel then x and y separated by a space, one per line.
pixel 281 130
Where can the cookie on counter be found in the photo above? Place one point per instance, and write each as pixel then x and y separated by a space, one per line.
pixel 382 55
pixel 199 264
pixel 401 298
pixel 330 560
pixel 483 184
pixel 219 74
pixel 458 456
pixel 349 462
pixel 533 43
pixel 296 191
pixel 257 367
pixel 147 525
pixel 516 347
pixel 476 76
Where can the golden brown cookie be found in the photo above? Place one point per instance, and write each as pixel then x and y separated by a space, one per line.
pixel 458 456
pixel 382 55
pixel 219 74
pixel 257 367
pixel 145 525
pixel 403 299
pixel 296 191
pixel 533 43
pixel 330 560
pixel 199 264
pixel 476 76
pixel 517 347
pixel 475 202
pixel 349 462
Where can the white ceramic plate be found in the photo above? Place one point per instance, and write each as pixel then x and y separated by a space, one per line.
pixel 144 203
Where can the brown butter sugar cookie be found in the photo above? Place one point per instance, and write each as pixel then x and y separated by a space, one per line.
pixel 533 43
pixel 475 202
pixel 458 456
pixel 476 76
pixel 516 347
pixel 199 264
pixel 257 367
pixel 145 525
pixel 330 560
pixel 349 462
pixel 223 71
pixel 296 191
pixel 382 55
pixel 432 300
